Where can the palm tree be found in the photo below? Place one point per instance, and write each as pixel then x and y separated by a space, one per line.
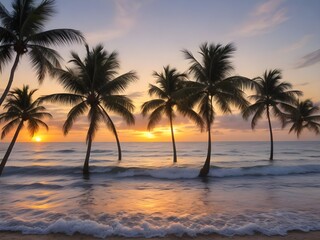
pixel 214 86
pixel 170 81
pixel 22 33
pixel 271 94
pixel 20 109
pixel 94 88
pixel 302 115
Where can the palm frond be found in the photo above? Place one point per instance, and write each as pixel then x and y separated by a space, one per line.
pixel 40 115
pixel 123 109
pixel 43 60
pixel 118 84
pixel 70 81
pixel 35 17
pixel 5 55
pixel 33 126
pixel 56 37
pixel 64 98
pixel 313 126
pixel 8 116
pixel 151 105
pixel 110 65
pixel 5 16
pixel 196 68
pixel 191 114
pixel 257 115
pixel 42 123
pixel 118 100
pixel 301 116
pixel 155 90
pixel 9 126
pixel 73 115
pixel 155 116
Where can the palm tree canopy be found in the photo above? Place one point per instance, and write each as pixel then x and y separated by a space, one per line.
pixel 93 86
pixel 169 82
pixel 214 85
pixel 21 108
pixel 303 115
pixel 22 31
pixel 270 92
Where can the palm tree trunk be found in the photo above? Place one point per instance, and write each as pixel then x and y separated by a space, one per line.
pixel 173 141
pixel 206 167
pixel 118 143
pixel 271 135
pixel 115 134
pixel 86 161
pixel 13 69
pixel 13 141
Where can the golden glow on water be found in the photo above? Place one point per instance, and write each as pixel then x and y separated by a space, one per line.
pixel 40 200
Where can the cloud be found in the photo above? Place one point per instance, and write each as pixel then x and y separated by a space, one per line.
pixel 136 94
pixel 126 12
pixel 264 18
pixel 309 59
pixel 235 122
pixel 302 84
pixel 298 44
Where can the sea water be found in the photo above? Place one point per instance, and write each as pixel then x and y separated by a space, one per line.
pixel 42 189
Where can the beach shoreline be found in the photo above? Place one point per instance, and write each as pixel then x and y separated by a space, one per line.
pixel 293 235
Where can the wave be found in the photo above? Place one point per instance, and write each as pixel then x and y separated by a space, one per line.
pixel 264 170
pixel 167 172
pixel 33 186
pixel 266 224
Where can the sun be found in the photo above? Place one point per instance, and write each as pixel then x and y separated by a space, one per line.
pixel 148 135
pixel 37 139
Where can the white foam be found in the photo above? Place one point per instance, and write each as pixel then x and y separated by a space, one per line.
pixel 265 223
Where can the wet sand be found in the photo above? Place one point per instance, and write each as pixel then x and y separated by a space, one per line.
pixel 315 235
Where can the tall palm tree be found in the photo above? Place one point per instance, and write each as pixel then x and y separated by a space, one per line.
pixel 270 95
pixel 94 88
pixel 214 85
pixel 21 109
pixel 170 81
pixel 302 115
pixel 22 33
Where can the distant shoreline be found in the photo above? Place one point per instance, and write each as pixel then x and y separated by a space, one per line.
pixel 294 235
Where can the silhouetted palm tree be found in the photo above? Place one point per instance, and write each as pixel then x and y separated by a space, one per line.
pixel 170 81
pixel 93 87
pixel 302 115
pixel 271 94
pixel 22 33
pixel 20 109
pixel 214 85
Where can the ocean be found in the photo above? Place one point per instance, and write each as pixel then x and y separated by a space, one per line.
pixel 42 189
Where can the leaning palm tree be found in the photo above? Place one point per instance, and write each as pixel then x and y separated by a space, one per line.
pixel 94 88
pixel 170 81
pixel 21 109
pixel 303 115
pixel 22 33
pixel 271 94
pixel 214 85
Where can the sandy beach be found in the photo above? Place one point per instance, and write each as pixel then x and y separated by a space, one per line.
pixel 291 236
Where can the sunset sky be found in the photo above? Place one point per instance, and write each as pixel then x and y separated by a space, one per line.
pixel 149 34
